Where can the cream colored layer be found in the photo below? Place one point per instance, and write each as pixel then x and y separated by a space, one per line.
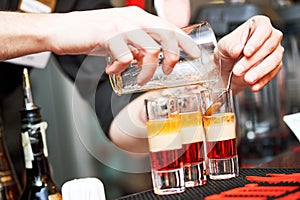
pixel 165 142
pixel 219 132
pixel 192 134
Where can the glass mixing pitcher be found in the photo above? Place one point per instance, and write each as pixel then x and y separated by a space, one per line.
pixel 203 70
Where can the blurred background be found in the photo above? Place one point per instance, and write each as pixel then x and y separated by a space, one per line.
pixel 261 130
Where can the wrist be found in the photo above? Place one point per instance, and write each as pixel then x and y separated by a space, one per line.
pixel 48 30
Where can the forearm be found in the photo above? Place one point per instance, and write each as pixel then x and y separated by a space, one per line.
pixel 21 34
pixel 68 33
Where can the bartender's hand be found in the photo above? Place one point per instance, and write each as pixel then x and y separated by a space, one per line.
pixel 262 54
pixel 125 34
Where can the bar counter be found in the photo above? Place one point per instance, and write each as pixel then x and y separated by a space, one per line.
pixel 279 169
pixel 289 159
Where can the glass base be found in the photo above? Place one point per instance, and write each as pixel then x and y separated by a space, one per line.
pixel 223 168
pixel 168 182
pixel 195 174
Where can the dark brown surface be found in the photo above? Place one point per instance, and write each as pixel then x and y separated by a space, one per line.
pixel 289 159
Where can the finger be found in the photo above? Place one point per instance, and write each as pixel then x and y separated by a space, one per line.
pixel 266 79
pixel 148 52
pixel 138 56
pixel 232 44
pixel 261 30
pixel 169 46
pixel 118 65
pixel 119 55
pixel 245 63
pixel 265 67
pixel 184 41
pixel 170 52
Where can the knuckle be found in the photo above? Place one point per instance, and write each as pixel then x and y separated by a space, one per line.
pixel 280 52
pixel 173 56
pixel 267 19
pixel 153 51
pixel 125 59
pixel 279 33
pixel 263 18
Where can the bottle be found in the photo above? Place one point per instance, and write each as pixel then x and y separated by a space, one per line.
pixel 204 70
pixel 39 184
pixel 10 188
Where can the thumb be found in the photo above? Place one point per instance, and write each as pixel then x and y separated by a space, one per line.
pixel 232 45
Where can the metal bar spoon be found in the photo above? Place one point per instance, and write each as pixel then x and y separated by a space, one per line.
pixel 218 102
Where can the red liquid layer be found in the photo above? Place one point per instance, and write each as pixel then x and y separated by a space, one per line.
pixel 166 160
pixel 193 153
pixel 221 149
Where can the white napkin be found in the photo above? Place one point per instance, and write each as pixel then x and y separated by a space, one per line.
pixel 83 189
pixel 293 122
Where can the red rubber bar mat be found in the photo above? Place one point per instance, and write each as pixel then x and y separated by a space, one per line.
pixel 275 178
pixel 280 187
pixel 212 189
